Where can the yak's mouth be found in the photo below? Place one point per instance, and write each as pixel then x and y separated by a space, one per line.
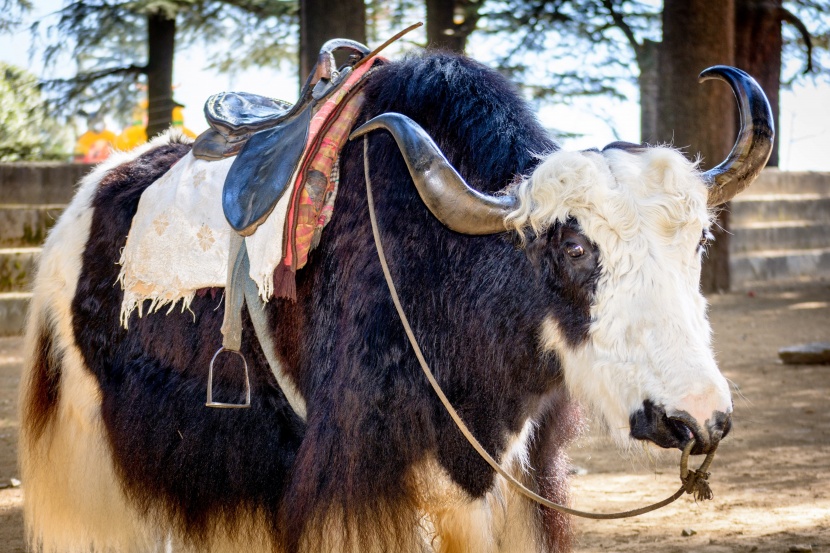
pixel 652 423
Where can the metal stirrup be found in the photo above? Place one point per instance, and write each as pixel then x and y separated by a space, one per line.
pixel 219 404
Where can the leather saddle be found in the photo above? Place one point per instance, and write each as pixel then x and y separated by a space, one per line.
pixel 233 118
pixel 268 137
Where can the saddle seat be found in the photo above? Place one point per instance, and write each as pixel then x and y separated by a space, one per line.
pixel 233 118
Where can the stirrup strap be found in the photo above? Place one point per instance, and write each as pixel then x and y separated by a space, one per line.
pixel 232 321
pixel 242 290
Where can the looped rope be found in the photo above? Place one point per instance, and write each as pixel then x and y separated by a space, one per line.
pixel 694 481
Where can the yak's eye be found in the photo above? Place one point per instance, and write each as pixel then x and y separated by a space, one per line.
pixel 574 250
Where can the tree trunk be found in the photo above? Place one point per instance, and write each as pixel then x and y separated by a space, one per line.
pixel 758 44
pixel 649 83
pixel 442 30
pixel 161 41
pixel 699 117
pixel 322 20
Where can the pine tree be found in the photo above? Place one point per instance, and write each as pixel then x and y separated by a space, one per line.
pixel 117 45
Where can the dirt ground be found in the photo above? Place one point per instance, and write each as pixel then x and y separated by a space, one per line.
pixel 771 476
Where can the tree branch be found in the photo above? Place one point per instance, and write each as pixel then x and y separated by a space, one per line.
pixel 620 22
pixel 93 76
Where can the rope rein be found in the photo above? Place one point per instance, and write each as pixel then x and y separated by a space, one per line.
pixel 693 481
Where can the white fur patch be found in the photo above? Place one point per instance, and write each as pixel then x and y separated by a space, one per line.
pixel 649 336
pixel 81 505
pixel 503 521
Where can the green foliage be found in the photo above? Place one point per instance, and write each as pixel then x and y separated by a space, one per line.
pixel 599 46
pixel 27 133
pixel 593 53
pixel 813 15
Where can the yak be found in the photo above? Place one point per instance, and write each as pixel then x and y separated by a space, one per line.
pixel 540 283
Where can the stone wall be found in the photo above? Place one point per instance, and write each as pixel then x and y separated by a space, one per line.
pixel 39 183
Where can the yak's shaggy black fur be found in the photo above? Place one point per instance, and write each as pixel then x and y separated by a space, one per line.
pixel 475 303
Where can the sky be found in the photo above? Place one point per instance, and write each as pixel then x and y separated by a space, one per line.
pixel 804 122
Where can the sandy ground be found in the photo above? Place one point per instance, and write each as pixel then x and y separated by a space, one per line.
pixel 771 476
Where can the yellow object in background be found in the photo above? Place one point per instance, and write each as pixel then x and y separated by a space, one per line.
pixel 132 136
pixel 178 122
pixel 94 145
pixel 136 134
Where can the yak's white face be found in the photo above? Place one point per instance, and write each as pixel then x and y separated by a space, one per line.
pixel 647 363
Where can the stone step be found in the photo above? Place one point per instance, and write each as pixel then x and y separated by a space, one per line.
pixel 24 225
pixel 40 183
pixel 772 265
pixel 780 207
pixel 17 268
pixel 779 235
pixel 13 308
pixel 773 181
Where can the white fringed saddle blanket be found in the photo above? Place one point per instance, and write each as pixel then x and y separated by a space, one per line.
pixel 179 240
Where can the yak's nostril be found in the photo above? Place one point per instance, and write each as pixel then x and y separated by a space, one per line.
pixel 716 429
pixel 676 429
pixel 652 424
pixel 720 425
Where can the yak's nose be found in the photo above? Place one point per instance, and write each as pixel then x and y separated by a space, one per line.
pixel 674 430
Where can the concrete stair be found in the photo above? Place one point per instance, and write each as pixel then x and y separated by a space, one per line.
pixel 781 229
pixel 22 231
pixel 33 196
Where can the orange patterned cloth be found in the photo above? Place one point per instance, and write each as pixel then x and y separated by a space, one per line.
pixel 315 189
pixel 316 201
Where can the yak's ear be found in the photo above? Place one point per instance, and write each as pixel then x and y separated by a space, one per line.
pixel 754 144
pixel 625 146
pixel 445 193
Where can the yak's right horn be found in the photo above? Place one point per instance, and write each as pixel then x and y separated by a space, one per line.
pixel 754 144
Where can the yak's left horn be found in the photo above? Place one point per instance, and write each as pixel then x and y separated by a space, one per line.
pixel 446 194
pixel 754 144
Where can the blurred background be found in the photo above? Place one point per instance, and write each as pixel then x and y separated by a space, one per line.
pixel 81 78
pixel 590 66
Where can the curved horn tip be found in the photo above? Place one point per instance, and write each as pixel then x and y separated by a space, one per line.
pixel 754 143
pixel 721 73
pixel 381 121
